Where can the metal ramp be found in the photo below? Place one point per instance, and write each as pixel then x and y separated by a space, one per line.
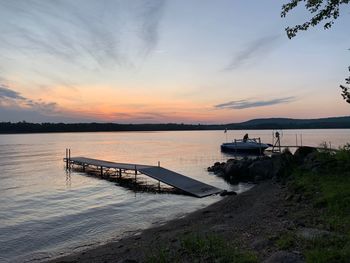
pixel 180 181
pixel 166 176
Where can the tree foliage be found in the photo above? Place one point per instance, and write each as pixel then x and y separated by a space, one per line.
pixel 322 11
pixel 346 90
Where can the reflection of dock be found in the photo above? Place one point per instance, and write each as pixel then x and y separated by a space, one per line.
pixel 176 180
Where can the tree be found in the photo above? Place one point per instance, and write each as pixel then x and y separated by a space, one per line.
pixel 345 90
pixel 322 11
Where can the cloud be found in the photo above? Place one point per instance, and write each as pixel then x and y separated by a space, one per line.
pixel 6 93
pixel 82 32
pixel 150 15
pixel 244 104
pixel 13 100
pixel 254 50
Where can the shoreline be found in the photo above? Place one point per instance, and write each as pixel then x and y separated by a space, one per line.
pixel 248 218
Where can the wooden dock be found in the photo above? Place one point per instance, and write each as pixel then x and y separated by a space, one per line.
pixel 166 176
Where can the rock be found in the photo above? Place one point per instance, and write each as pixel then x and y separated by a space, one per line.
pixel 219 228
pixel 298 198
pixel 281 165
pixel 231 168
pixel 289 197
pixel 217 168
pixel 311 162
pixel 299 222
pixel 313 233
pixel 314 163
pixel 301 153
pixel 225 193
pixel 261 243
pixel 261 169
pixel 283 257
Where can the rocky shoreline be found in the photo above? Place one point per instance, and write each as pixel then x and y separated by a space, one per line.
pixel 275 167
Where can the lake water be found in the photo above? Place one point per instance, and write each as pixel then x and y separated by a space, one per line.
pixel 46 212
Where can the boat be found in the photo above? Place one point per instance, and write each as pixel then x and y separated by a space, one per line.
pixel 253 145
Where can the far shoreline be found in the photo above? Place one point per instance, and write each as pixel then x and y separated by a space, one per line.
pixel 136 131
pixel 255 124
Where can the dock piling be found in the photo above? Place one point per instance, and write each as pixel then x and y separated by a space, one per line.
pixel 66 159
pixel 135 173
pixel 69 166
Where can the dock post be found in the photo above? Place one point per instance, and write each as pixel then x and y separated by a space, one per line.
pixel 83 167
pixel 158 163
pixel 159 186
pixel 101 171
pixel 69 158
pixel 120 172
pixel 260 145
pixel 66 159
pixel 135 174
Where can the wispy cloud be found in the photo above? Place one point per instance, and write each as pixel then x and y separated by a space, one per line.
pixel 254 50
pixel 102 32
pixel 244 104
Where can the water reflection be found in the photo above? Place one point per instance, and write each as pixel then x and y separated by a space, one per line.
pixel 68 178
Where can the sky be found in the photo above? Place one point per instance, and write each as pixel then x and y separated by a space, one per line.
pixel 162 61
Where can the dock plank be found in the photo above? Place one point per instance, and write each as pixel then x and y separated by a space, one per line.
pixel 182 182
pixel 107 164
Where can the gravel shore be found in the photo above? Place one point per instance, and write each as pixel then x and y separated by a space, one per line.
pixel 250 219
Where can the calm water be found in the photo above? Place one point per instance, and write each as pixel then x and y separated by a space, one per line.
pixel 45 212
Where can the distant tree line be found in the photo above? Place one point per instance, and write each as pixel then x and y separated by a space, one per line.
pixel 257 124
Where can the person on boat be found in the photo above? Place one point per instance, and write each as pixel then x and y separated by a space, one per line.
pixel 245 138
pixel 277 134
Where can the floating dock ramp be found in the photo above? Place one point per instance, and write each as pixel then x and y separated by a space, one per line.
pixel 176 180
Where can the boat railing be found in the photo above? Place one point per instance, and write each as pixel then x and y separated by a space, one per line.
pixel 256 140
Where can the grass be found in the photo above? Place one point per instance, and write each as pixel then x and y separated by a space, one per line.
pixel 286 241
pixel 331 249
pixel 327 192
pixel 209 248
pixel 162 255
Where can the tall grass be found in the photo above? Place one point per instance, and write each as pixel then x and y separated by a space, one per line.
pixel 328 190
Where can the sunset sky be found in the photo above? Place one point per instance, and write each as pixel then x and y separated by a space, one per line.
pixel 155 61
